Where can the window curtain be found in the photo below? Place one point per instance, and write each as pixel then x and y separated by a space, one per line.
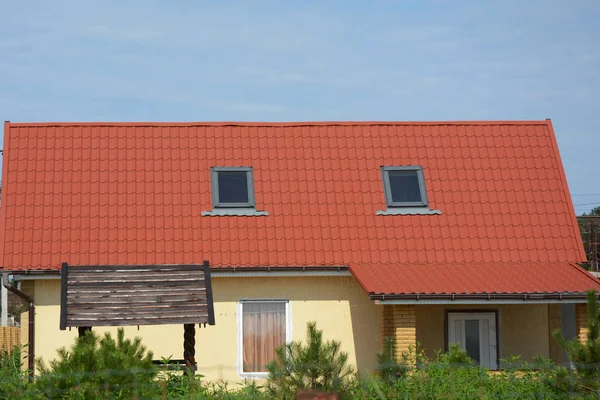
pixel 263 331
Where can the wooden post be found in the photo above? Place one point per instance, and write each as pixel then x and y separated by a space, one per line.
pixel 189 348
pixel 83 329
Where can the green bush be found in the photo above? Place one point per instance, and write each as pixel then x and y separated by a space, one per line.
pixel 316 365
pixel 13 379
pixel 455 357
pixel 390 368
pixel 177 386
pixel 97 367
pixel 585 356
pixel 101 367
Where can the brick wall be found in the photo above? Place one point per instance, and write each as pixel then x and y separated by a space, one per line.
pixel 400 322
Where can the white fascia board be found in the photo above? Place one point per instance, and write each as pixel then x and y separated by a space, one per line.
pixel 21 277
pixel 476 302
pixel 221 274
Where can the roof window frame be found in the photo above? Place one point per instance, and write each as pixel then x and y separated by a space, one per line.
pixel 385 170
pixel 214 182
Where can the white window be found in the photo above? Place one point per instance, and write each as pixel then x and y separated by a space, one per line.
pixel 476 333
pixel 263 325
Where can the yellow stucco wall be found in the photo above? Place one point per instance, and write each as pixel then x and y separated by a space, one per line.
pixel 523 328
pixel 337 304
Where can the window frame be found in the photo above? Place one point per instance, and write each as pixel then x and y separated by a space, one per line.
pixel 240 326
pixel 387 188
pixel 214 180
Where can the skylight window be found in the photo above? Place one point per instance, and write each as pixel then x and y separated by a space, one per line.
pixel 232 192
pixel 404 190
pixel 232 187
pixel 404 186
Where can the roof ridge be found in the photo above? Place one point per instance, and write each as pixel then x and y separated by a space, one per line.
pixel 283 124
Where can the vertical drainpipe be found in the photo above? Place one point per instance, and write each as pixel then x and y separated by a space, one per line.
pixel 4 306
pixel 31 330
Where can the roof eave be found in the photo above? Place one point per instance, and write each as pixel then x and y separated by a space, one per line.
pixel 473 298
pixel 238 271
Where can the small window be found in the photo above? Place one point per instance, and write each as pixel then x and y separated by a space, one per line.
pixel 232 187
pixel 404 186
pixel 264 326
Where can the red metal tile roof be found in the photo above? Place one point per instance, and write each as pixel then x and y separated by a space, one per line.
pixel 133 193
pixel 472 278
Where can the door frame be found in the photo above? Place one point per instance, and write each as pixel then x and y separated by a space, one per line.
pixel 474 311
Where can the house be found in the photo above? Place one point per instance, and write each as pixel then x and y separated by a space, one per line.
pixel 433 232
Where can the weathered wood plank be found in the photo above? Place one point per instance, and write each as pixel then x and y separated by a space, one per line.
pixel 133 295
pixel 135 299
pixel 138 320
pixel 84 277
pixel 137 284
pixel 76 269
pixel 135 273
pixel 123 289
pixel 125 317
pixel 166 321
pixel 113 310
pixel 105 301
pixel 117 306
pixel 151 314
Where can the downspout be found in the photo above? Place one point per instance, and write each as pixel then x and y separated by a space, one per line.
pixel 31 330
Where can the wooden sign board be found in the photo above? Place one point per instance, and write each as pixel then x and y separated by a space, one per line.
pixel 125 295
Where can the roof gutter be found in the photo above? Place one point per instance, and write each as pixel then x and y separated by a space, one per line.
pixel 31 328
pixel 294 271
pixel 223 272
pixel 449 298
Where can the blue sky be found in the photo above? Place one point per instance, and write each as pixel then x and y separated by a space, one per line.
pixel 310 60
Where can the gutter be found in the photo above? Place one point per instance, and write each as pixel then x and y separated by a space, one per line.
pixel 31 330
pixel 273 269
pixel 293 271
pixel 223 272
pixel 415 298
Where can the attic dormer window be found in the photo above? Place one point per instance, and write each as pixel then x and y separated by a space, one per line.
pixel 404 190
pixel 232 192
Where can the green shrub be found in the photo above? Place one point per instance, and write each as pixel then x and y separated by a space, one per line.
pixel 455 357
pixel 585 356
pixel 316 365
pixel 13 379
pixel 97 367
pixel 388 366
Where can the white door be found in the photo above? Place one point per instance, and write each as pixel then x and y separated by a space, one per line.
pixel 475 333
